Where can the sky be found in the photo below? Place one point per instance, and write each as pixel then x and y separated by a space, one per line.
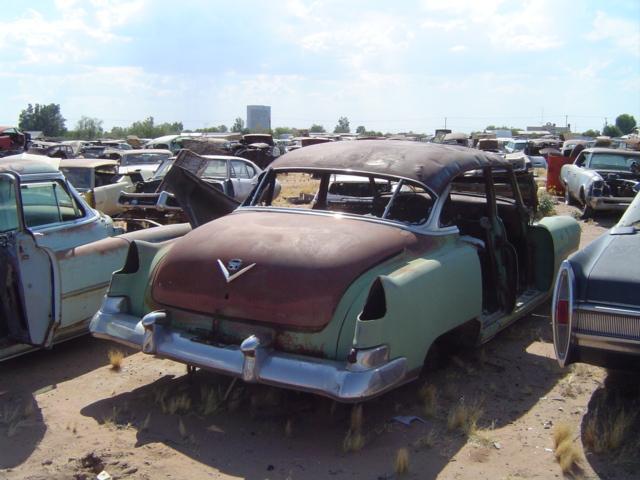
pixel 390 66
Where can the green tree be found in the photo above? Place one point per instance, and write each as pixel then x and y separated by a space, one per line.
pixel 88 128
pixel 361 130
pixel 238 125
pixel 315 128
pixel 342 126
pixel 611 131
pixel 591 133
pixel 44 118
pixel 626 123
pixel 281 131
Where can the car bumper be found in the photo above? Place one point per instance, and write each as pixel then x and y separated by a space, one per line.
pixel 605 330
pixel 610 203
pixel 251 361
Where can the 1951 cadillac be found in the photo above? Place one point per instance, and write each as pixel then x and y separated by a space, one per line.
pixel 596 302
pixel 341 301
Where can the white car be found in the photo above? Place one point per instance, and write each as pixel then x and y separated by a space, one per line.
pixel 602 179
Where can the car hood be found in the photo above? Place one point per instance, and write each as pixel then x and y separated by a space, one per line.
pixel 295 267
pixel 613 276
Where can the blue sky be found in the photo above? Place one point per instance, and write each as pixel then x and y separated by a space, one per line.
pixel 390 66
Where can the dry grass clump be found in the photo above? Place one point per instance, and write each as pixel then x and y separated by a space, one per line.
pixel 354 440
pixel 115 359
pixel 210 400
pixel 15 416
pixel 567 452
pixel 401 464
pixel 111 420
pixel 178 404
pixel 464 417
pixel 429 396
pixel 606 429
pixel 426 441
pixel 182 430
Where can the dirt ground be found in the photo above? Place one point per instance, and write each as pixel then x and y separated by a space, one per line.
pixel 65 414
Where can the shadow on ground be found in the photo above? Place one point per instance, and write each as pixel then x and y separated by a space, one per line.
pixel 25 377
pixel 253 431
pixel 611 427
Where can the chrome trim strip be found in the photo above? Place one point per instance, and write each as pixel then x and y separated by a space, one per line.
pixel 608 343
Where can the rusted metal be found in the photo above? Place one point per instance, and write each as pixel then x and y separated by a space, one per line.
pixel 431 164
pixel 294 254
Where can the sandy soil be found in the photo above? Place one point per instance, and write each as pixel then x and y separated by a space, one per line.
pixel 65 414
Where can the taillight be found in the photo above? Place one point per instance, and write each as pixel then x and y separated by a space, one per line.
pixel 562 312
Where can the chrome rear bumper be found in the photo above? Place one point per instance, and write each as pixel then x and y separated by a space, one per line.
pixel 251 361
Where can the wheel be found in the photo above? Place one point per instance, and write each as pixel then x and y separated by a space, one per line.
pixel 567 196
pixel 587 211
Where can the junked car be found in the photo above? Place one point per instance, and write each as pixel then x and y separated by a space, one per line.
pixel 12 141
pixel 596 301
pixel 57 255
pixel 601 179
pixel 233 176
pixel 346 305
pixel 146 161
pixel 98 181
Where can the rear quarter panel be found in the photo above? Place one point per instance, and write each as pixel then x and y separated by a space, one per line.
pixel 426 297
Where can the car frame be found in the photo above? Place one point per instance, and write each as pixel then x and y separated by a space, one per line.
pixel 343 305
pixel 596 306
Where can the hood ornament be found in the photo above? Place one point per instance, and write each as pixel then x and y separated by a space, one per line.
pixel 233 269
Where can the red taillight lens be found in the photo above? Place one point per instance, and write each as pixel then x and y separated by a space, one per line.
pixel 562 312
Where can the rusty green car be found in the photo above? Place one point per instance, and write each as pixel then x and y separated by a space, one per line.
pixel 344 298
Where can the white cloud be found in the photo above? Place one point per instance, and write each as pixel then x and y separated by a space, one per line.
pixel 70 34
pixel 624 34
pixel 456 24
pixel 458 48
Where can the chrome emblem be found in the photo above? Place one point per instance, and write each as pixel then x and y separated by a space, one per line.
pixel 234 265
pixel 233 269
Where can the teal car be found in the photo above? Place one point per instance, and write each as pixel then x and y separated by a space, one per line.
pixel 57 255
pixel 342 300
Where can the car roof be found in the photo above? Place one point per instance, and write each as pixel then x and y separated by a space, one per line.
pixel 615 151
pixel 26 164
pixel 146 150
pixel 87 162
pixel 433 165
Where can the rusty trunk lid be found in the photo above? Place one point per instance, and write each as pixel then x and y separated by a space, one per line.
pixel 280 268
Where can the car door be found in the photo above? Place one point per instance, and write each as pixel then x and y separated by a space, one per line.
pixel 69 229
pixel 105 193
pixel 29 311
pixel 244 178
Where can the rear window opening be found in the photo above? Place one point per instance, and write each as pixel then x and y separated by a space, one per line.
pixel 356 194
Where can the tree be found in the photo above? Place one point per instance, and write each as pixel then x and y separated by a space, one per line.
pixel 238 125
pixel 591 133
pixel 626 123
pixel 343 126
pixel 315 128
pixel 282 131
pixel 361 130
pixel 611 131
pixel 44 118
pixel 88 128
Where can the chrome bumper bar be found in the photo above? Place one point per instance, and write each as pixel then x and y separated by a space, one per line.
pixel 251 361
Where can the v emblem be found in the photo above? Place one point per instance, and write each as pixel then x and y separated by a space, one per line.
pixel 229 278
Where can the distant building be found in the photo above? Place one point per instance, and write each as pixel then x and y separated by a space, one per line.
pixel 258 117
pixel 551 128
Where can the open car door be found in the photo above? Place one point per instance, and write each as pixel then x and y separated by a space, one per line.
pixel 28 312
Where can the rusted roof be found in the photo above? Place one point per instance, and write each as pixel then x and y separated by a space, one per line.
pixel 433 165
